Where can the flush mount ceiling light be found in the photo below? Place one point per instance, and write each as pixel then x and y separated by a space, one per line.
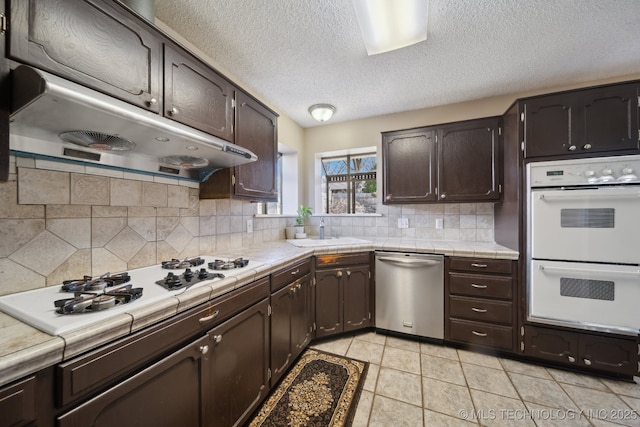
pixel 322 112
pixel 391 24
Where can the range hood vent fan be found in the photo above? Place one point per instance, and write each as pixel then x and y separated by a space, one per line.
pixel 97 140
pixel 47 112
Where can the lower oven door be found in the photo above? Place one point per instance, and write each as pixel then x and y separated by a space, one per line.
pixel 588 225
pixel 589 296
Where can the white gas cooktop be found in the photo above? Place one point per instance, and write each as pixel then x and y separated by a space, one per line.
pixel 36 307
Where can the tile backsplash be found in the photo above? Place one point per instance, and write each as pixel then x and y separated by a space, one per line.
pixel 62 221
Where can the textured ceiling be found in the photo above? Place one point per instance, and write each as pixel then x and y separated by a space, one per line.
pixel 295 53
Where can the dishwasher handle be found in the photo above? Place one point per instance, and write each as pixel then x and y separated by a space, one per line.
pixel 408 262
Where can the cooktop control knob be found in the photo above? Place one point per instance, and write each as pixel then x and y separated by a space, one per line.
pixel 606 171
pixel 627 175
pixel 589 173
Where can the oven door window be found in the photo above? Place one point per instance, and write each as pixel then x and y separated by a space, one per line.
pixel 588 218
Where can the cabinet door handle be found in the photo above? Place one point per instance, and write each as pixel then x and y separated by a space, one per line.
pixel 443 196
pixel 571 359
pixel 479 265
pixel 587 362
pixel 339 274
pixel 208 318
pixel 153 101
pixel 479 310
pixel 479 334
pixel 587 146
pixel 572 148
pixel 204 349
pixel 475 285
pixel 299 286
pixel 174 111
pixel 293 273
pixel 348 273
pixel 217 338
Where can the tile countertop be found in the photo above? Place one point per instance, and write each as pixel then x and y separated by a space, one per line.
pixel 25 350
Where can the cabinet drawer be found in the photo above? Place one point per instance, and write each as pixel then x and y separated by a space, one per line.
pixel 333 260
pixel 478 285
pixel 480 309
pixel 288 275
pixel 110 363
pixel 479 265
pixel 500 337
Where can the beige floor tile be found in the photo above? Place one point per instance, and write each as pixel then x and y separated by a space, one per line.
pixel 623 387
pixel 403 343
pixel 337 346
pixel 439 350
pixel 545 416
pixel 581 380
pixel 366 351
pixel 525 369
pixel 371 337
pixel 441 420
pixel 479 359
pixel 403 360
pixel 541 391
pixel 633 402
pixel 399 385
pixel 442 369
pixel 389 412
pixel 372 377
pixel 488 379
pixel 447 398
pixel 600 405
pixel 361 418
pixel 494 410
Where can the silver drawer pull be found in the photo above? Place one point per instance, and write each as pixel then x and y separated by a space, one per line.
pixel 208 318
pixel 479 310
pixel 479 265
pixel 479 334
pixel 217 338
pixel 204 349
pixel 293 273
pixel 475 285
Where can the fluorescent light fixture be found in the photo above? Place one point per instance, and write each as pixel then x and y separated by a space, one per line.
pixel 322 112
pixel 391 24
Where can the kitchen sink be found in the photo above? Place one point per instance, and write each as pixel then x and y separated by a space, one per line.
pixel 327 241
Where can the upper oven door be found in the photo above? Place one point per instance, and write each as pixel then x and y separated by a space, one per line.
pixel 591 225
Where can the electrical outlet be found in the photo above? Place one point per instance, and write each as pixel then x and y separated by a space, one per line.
pixel 403 222
pixel 249 226
pixel 439 223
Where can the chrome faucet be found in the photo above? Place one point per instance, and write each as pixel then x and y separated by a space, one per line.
pixel 321 228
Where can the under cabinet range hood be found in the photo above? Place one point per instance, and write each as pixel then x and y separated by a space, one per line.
pixel 55 118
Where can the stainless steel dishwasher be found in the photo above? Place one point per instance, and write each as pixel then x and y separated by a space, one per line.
pixel 410 293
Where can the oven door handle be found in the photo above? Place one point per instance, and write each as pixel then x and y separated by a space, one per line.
pixel 578 270
pixel 575 194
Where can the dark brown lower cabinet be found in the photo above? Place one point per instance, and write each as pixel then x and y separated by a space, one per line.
pixel 168 393
pixel 343 294
pixel 18 403
pixel 236 367
pixel 291 324
pixel 608 354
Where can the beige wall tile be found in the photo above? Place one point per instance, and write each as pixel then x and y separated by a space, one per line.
pixel 154 194
pixel 177 196
pixel 16 278
pixel 179 238
pixel 105 229
pixel 168 211
pixel 15 233
pixel 9 207
pixel 126 244
pixel 89 189
pixel 74 267
pixel 207 207
pixel 145 227
pixel 145 256
pixel 207 226
pixel 141 211
pixel 126 192
pixel 103 261
pixel 165 225
pixel 108 211
pixel 68 211
pixel 76 231
pixel 41 187
pixel 44 253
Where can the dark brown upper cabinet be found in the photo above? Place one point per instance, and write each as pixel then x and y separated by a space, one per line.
pixel 409 166
pixel 92 42
pixel 197 96
pixel 598 120
pixel 455 162
pixel 468 159
pixel 255 129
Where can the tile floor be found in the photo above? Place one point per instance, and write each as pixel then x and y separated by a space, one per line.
pixel 418 384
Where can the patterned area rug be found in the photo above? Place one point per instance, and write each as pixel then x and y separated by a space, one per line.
pixel 321 390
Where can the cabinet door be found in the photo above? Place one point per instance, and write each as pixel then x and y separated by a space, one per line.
pixel 608 354
pixel 18 403
pixel 282 322
pixel 609 119
pixel 197 96
pixel 409 166
pixel 468 161
pixel 357 307
pixel 91 42
pixel 168 393
pixel 256 130
pixel 548 126
pixel 329 315
pixel 550 344
pixel 237 367
pixel 301 319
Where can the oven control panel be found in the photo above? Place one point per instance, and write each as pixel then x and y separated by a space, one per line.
pixel 595 171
